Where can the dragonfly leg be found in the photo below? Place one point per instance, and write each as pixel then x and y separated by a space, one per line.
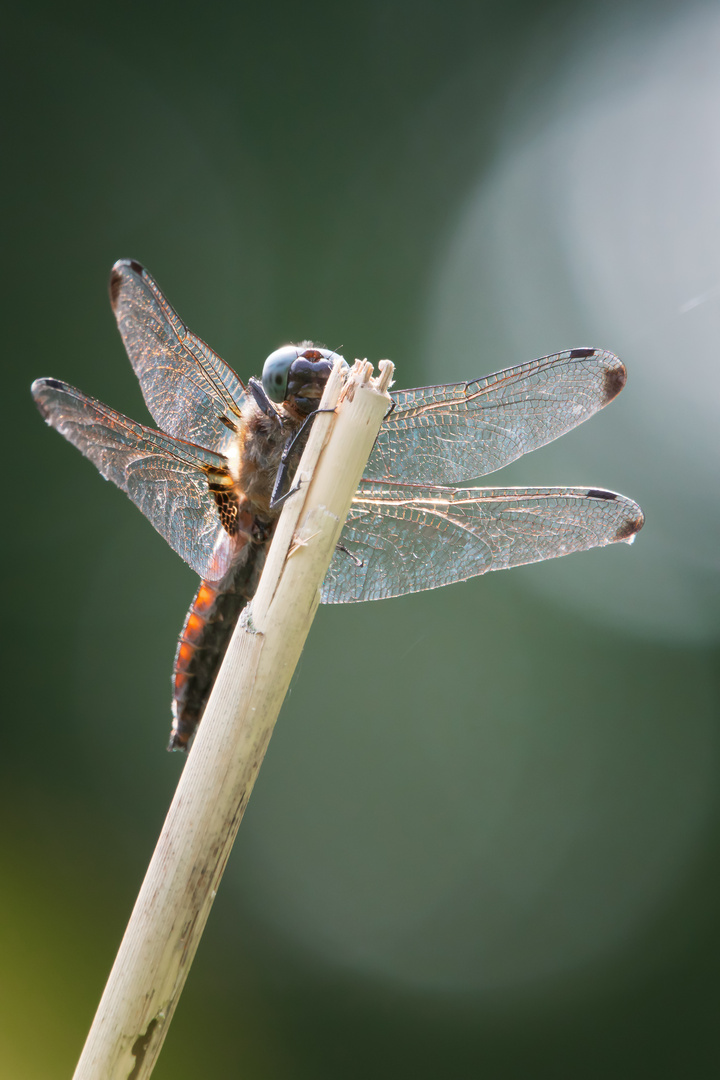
pixel 277 499
pixel 341 547
pixel 292 443
pixel 262 401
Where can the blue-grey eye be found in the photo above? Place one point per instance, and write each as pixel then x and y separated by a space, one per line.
pixel 276 370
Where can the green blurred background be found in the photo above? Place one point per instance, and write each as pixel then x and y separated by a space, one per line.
pixel 498 856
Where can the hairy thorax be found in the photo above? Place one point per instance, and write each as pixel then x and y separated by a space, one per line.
pixel 255 457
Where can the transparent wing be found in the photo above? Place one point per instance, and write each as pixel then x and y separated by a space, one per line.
pixel 190 391
pixel 449 434
pixel 166 478
pixel 410 537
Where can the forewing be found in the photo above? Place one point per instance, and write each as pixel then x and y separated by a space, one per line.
pixel 403 538
pixel 166 478
pixel 190 391
pixel 449 434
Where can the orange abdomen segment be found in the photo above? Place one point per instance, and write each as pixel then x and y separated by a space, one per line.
pixel 205 636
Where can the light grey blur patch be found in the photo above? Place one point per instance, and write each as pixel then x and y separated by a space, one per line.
pixel 601 227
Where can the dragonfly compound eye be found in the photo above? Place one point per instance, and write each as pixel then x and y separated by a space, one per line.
pixel 307 378
pixel 276 370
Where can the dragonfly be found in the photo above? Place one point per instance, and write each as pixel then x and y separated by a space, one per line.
pixel 212 477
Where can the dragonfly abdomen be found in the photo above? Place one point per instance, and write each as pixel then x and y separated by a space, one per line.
pixel 206 634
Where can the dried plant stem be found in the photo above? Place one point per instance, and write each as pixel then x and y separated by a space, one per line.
pixel 180 885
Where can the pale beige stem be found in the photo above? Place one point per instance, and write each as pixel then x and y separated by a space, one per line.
pixel 180 885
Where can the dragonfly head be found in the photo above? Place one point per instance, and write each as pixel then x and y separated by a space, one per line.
pixel 297 374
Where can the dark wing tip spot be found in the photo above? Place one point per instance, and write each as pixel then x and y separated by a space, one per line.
pixel 599 493
pixel 116 276
pixel 41 384
pixel 114 287
pixel 613 380
pixel 630 527
pixel 37 389
pixel 578 354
